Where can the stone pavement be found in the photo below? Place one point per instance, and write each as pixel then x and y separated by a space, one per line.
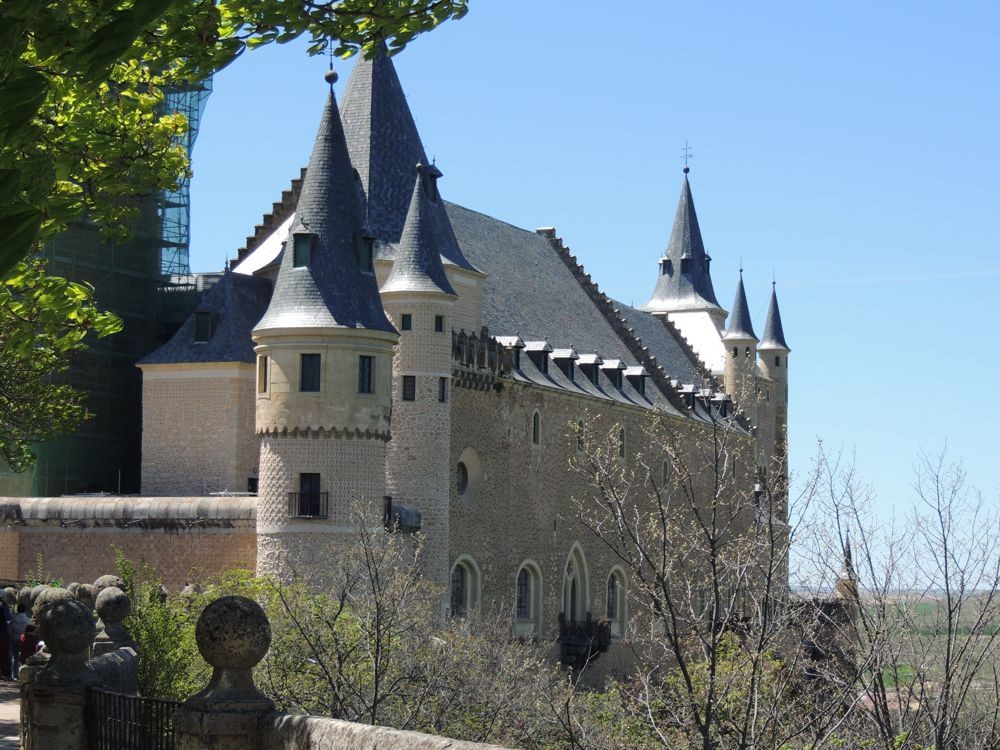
pixel 10 716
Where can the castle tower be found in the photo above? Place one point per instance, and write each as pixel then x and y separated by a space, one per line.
pixel 741 354
pixel 420 300
pixel 684 283
pixel 773 356
pixel 684 293
pixel 384 145
pixel 324 369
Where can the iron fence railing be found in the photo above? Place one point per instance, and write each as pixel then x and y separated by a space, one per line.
pixel 127 722
pixel 308 504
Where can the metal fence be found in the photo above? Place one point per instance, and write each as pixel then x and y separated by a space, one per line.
pixel 126 722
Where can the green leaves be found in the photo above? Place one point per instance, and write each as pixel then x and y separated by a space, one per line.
pixel 82 82
pixel 43 321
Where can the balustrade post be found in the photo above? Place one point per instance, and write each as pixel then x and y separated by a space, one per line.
pixel 54 696
pixel 233 635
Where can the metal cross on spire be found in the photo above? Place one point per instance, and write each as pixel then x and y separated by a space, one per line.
pixel 686 155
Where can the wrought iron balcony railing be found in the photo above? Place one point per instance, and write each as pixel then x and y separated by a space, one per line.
pixel 308 504
pixel 582 640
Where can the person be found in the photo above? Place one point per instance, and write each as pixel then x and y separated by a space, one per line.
pixel 17 627
pixel 29 641
pixel 6 661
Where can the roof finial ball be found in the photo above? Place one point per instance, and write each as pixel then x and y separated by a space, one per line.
pixel 686 169
pixel 331 76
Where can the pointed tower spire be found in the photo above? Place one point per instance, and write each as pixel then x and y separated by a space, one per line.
pixel 384 146
pixel 740 326
pixel 326 279
pixel 684 283
pixel 774 334
pixel 417 265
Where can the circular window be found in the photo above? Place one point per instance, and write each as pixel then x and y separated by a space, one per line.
pixel 468 475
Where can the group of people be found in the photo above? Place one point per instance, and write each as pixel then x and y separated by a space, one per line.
pixel 19 637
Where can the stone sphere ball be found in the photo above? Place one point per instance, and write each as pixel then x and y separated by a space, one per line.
pixel 113 605
pixel 36 592
pixel 86 594
pixel 233 632
pixel 49 597
pixel 73 588
pixel 106 582
pixel 66 625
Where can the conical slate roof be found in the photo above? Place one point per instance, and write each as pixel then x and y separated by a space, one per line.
pixel 331 290
pixel 740 326
pixel 385 146
pixel 684 282
pixel 774 334
pixel 417 264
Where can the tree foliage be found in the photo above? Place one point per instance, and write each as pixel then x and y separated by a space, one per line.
pixel 82 122
pixel 43 321
pixel 84 130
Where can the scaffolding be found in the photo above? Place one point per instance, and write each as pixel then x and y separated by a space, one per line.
pixel 145 280
pixel 175 205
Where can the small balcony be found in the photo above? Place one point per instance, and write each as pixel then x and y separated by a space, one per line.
pixel 580 641
pixel 308 504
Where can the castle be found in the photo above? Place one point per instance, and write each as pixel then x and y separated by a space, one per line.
pixel 377 347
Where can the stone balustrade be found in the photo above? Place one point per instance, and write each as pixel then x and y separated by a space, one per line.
pixel 233 635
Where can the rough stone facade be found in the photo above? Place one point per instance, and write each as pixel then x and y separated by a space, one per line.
pixel 352 472
pixel 74 538
pixel 178 556
pixel 418 459
pixel 520 504
pixel 188 407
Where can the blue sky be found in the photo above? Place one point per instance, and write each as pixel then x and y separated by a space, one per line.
pixel 851 148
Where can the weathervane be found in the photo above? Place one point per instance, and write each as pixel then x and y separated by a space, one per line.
pixel 685 155
pixel 331 74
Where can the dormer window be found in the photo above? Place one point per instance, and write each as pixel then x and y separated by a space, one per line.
pixel 517 358
pixel 539 352
pixel 666 267
pixel 202 327
pixel 541 360
pixel 366 254
pixel 302 250
pixel 615 376
pixel 685 265
pixel 565 360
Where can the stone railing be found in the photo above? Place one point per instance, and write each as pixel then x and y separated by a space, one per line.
pixel 478 359
pixel 233 636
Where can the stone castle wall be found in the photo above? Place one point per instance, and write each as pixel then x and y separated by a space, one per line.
pixel 186 411
pixel 520 504
pixel 75 538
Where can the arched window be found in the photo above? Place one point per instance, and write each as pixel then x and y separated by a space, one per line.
pixel 536 429
pixel 527 599
pixel 579 437
pixel 616 603
pixel 458 591
pixel 576 588
pixel 465 586
pixel 621 443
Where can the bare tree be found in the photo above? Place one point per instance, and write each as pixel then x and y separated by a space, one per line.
pixel 703 530
pixel 924 644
